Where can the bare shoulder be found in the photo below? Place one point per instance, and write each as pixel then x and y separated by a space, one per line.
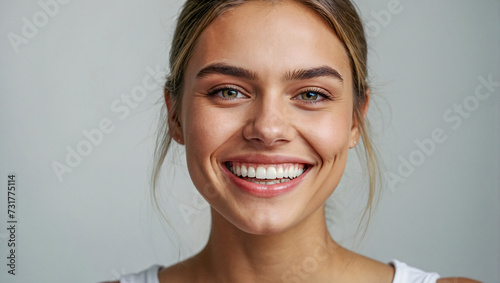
pixel 365 269
pixel 456 280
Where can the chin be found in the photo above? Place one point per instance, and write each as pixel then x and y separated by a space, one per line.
pixel 263 229
pixel 263 222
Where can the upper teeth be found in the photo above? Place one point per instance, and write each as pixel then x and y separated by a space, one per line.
pixel 289 171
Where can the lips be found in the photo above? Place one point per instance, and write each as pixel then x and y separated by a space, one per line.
pixel 266 176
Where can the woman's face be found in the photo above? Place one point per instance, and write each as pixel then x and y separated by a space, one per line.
pixel 267 115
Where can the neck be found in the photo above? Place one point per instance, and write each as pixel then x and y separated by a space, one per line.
pixel 301 252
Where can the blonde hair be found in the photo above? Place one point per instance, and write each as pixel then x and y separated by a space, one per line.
pixel 340 15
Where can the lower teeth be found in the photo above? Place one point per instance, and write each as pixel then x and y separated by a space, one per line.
pixel 269 182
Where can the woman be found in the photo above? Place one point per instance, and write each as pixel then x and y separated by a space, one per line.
pixel 268 97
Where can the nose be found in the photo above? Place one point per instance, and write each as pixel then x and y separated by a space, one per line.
pixel 269 123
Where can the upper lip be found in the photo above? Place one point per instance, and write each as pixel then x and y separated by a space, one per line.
pixel 266 159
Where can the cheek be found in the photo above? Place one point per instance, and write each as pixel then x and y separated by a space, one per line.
pixel 198 136
pixel 328 134
pixel 200 141
pixel 206 128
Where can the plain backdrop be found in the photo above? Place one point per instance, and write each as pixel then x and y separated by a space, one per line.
pixel 70 68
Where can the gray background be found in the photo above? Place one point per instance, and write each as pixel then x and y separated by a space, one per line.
pixel 98 222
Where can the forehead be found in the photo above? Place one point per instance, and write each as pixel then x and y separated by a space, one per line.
pixel 270 38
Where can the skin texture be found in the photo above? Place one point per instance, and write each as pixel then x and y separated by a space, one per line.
pixel 268 119
pixel 268 239
pixel 259 239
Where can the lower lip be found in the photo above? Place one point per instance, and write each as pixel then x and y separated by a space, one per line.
pixel 265 191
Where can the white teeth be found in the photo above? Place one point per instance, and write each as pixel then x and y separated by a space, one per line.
pixel 251 172
pixel 260 173
pixel 244 171
pixel 279 173
pixel 276 174
pixel 271 173
pixel 293 172
pixel 269 182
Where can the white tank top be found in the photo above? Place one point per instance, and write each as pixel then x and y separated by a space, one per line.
pixel 404 274
pixel 407 274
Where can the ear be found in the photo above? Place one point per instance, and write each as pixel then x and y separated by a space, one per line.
pixel 174 123
pixel 355 131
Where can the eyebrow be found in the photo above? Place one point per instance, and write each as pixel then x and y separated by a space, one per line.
pixel 305 74
pixel 223 69
pixel 301 74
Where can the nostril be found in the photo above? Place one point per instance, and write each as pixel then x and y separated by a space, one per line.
pixel 268 128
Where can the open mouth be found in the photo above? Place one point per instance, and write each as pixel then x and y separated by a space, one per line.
pixel 266 174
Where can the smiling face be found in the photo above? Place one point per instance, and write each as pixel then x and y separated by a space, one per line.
pixel 267 115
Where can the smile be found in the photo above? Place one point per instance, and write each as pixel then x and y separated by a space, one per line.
pixel 266 174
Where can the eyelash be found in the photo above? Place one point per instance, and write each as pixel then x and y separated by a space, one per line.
pixel 324 95
pixel 215 91
pixel 319 92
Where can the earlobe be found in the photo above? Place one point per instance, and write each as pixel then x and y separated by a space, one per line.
pixel 354 137
pixel 174 123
